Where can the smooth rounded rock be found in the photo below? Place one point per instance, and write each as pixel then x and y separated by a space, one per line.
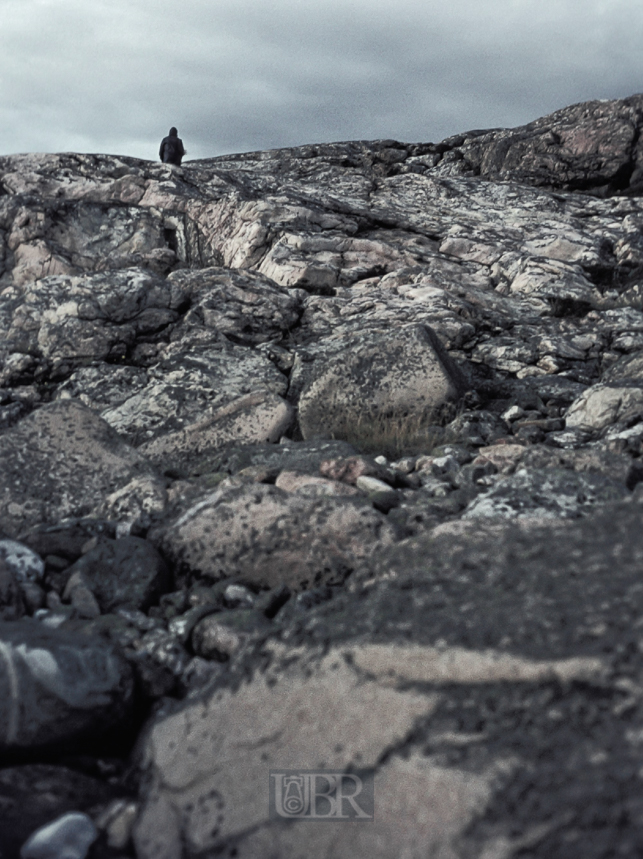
pixel 69 837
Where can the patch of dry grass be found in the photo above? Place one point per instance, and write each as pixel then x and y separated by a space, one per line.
pixel 393 434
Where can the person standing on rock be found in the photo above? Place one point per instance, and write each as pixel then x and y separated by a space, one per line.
pixel 172 151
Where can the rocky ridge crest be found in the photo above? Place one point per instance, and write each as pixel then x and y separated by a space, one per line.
pixel 326 458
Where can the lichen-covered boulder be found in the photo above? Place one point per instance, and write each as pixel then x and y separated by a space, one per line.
pixel 602 406
pixel 252 419
pixel 549 493
pixel 255 532
pixel 371 377
pixel 60 462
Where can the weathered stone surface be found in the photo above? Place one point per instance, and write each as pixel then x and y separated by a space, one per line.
pixel 126 573
pixel 304 484
pixel 490 665
pixel 255 533
pixel 255 418
pixel 60 462
pixel 80 319
pixel 135 504
pixel 181 390
pixel 602 406
pixel 373 377
pixel 58 688
pixel 329 694
pixel 592 146
pixel 245 306
pixel 551 493
pixel 265 709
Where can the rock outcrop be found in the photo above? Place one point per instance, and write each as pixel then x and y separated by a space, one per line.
pixel 326 459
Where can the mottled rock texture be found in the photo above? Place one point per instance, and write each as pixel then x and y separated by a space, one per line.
pixel 327 458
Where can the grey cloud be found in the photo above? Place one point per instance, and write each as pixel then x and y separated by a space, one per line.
pixel 253 74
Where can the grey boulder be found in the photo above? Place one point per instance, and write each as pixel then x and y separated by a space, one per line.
pixel 60 462
pixel 58 687
pixel 255 532
pixel 551 493
pixel 364 378
pixel 127 573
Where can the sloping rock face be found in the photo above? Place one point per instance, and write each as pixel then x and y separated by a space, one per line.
pixel 319 496
pixel 593 146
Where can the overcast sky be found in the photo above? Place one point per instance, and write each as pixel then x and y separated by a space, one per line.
pixel 237 75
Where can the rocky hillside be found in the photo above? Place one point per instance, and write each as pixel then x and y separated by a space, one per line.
pixel 325 458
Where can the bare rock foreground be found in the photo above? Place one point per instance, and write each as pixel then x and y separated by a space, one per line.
pixel 325 460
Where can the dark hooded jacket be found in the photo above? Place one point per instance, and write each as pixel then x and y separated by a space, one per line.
pixel 172 151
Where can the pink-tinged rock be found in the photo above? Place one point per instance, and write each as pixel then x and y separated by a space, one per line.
pixel 350 468
pixel 306 484
pixel 503 456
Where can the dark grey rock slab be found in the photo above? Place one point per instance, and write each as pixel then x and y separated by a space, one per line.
pixel 126 573
pixel 57 687
pixel 553 493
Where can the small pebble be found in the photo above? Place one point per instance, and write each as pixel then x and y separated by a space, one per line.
pixel 238 595
pixel 513 413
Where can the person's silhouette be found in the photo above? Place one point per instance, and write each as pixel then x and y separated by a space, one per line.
pixel 172 151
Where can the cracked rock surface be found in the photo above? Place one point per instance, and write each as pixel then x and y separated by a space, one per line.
pixel 326 458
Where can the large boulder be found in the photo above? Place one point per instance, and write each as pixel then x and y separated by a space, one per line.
pixel 60 462
pixel 245 306
pixel 189 385
pixel 350 385
pixel 59 688
pixel 490 667
pixel 353 709
pixel 255 532
pixel 79 319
